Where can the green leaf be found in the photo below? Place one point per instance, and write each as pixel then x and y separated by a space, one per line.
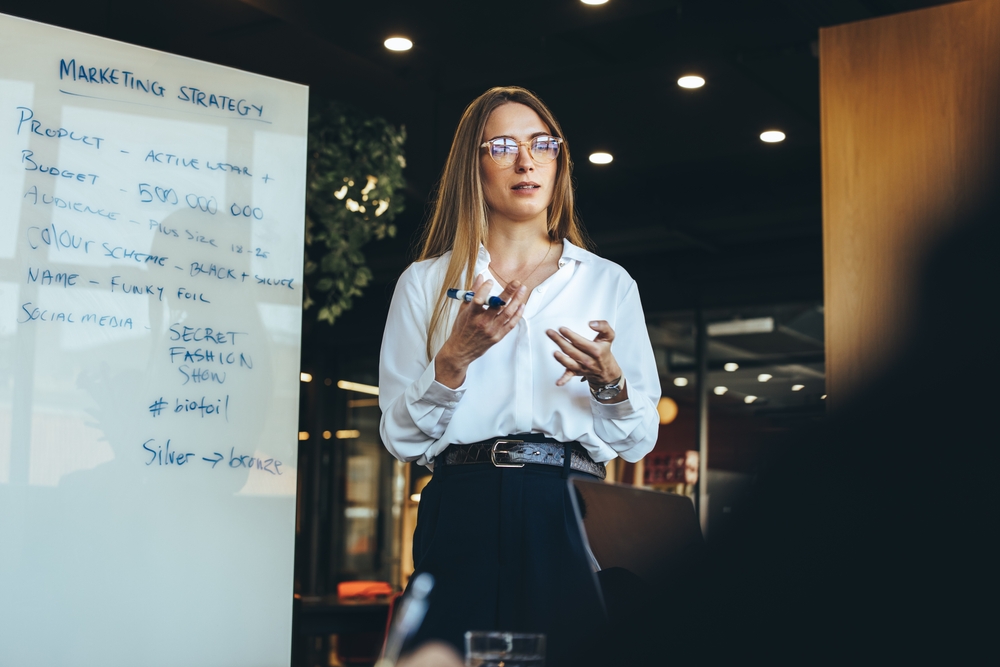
pixel 346 144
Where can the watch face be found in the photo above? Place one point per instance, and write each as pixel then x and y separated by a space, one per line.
pixel 605 393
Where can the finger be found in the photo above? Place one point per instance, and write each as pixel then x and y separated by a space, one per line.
pixel 569 363
pixel 508 316
pixel 565 377
pixel 572 368
pixel 581 356
pixel 514 298
pixel 482 293
pixel 588 346
pixel 565 345
pixel 513 319
pixel 479 280
pixel 510 291
pixel 603 329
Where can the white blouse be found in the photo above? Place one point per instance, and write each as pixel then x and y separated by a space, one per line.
pixel 512 388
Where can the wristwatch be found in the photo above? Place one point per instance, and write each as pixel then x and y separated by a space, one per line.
pixel 605 392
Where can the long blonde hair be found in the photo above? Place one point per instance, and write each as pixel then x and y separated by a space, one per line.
pixel 460 219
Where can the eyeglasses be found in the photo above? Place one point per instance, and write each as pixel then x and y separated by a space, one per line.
pixel 504 150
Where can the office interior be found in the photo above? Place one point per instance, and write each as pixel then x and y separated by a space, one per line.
pixel 775 230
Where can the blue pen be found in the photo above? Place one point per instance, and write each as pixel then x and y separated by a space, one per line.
pixel 492 302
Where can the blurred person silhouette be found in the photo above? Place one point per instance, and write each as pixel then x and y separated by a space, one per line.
pixel 868 538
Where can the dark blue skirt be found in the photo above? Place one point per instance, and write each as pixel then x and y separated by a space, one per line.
pixel 506 554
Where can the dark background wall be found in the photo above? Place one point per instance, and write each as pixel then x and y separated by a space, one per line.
pixel 695 206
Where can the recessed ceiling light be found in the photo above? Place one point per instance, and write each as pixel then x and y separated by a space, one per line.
pixel 594 2
pixel 772 136
pixel 680 382
pixel 601 158
pixel 398 44
pixel 720 390
pixel 749 399
pixel 823 397
pixel 763 377
pixel 305 377
pixel 691 81
pixel 730 367
pixel 798 387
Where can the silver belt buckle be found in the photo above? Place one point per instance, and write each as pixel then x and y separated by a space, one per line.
pixel 494 452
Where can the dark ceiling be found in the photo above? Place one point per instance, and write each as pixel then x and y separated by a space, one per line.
pixel 694 206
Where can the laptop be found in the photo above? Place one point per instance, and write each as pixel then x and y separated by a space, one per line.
pixel 651 534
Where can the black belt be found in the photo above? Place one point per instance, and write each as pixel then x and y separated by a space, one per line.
pixel 514 451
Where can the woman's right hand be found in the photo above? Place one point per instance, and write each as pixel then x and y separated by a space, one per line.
pixel 477 329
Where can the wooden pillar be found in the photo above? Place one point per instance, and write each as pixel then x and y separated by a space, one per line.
pixel 910 110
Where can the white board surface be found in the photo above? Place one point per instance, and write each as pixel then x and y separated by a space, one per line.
pixel 151 236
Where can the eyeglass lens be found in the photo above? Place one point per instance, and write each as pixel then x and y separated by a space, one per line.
pixel 543 149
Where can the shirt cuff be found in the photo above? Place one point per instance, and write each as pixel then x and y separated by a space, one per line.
pixel 433 392
pixel 620 410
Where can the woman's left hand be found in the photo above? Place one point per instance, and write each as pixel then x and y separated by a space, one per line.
pixel 589 359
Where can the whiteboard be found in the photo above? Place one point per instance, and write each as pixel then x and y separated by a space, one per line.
pixel 151 247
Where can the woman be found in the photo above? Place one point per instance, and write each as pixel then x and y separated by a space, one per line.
pixel 457 376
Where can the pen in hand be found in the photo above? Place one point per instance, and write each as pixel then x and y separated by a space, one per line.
pixel 461 295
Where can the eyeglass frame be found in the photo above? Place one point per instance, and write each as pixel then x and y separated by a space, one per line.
pixel 559 142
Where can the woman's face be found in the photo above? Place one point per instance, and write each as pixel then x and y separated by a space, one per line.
pixel 522 191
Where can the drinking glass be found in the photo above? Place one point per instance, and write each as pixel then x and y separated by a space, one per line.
pixel 504 649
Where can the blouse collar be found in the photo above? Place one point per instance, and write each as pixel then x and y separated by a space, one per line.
pixel 570 252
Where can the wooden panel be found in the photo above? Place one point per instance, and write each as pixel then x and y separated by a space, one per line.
pixel 909 105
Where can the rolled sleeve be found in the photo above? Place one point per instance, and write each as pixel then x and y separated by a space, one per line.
pixel 416 409
pixel 430 404
pixel 630 427
pixel 432 392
